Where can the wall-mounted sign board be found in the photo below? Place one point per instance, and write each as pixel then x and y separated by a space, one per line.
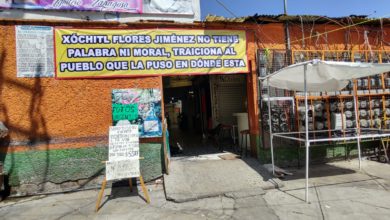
pixel 34 51
pixel 91 53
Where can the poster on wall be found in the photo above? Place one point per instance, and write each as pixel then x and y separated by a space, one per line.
pixel 34 51
pixel 168 7
pixel 88 53
pixel 128 6
pixel 140 107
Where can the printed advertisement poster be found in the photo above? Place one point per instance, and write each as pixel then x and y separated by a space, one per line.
pixel 86 53
pixel 34 51
pixel 148 105
pixel 168 7
pixel 128 6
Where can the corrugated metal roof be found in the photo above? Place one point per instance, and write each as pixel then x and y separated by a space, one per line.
pixel 215 18
pixel 264 19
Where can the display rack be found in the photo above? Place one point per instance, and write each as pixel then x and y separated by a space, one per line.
pixel 373 94
pixel 332 76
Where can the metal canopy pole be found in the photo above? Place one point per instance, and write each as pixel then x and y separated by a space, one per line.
pixel 307 143
pixel 271 137
pixel 357 124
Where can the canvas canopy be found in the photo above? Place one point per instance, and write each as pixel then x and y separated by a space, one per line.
pixel 320 76
pixel 323 76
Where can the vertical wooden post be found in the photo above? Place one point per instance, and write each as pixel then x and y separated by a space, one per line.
pixel 144 189
pixel 164 139
pixel 252 95
pixel 100 194
pixel 164 126
pixel 131 184
pixel 252 107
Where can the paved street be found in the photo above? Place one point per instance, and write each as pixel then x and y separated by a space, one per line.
pixel 338 191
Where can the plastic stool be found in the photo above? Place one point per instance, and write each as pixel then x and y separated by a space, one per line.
pixel 244 142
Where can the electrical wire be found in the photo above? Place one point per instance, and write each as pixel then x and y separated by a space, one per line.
pixel 251 17
pixel 226 8
pixel 341 28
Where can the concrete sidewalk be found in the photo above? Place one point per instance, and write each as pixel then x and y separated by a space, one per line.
pixel 119 204
pixel 190 179
pixel 337 191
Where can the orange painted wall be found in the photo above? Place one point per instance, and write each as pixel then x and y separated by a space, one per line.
pixel 272 36
pixel 36 109
pixel 44 108
pixel 73 113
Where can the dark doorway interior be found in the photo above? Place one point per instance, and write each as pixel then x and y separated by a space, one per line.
pixel 200 112
pixel 188 110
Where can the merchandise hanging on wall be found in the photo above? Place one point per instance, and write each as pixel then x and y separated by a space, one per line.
pixel 34 51
pixel 138 106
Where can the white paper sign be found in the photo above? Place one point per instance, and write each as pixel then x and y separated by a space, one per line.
pixel 168 7
pixel 121 169
pixel 123 143
pixel 34 51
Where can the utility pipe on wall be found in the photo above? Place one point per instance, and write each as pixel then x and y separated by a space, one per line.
pixel 287 33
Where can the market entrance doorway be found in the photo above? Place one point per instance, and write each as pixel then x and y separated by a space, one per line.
pixel 200 113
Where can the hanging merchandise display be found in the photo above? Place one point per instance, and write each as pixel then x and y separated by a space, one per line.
pixel 349 124
pixel 349 105
pixel 387 103
pixel 363 113
pixel 363 104
pixel 322 77
pixel 387 112
pixel 348 114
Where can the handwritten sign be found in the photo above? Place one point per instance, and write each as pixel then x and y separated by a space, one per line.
pixel 123 143
pixel 123 152
pixel 121 169
pixel 134 52
pixel 124 112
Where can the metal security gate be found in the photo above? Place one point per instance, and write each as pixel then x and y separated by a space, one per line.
pixel 228 96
